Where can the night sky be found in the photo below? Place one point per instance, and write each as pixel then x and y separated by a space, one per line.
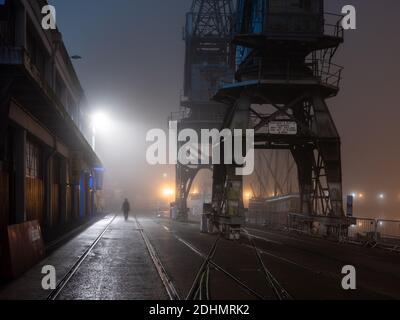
pixel 133 57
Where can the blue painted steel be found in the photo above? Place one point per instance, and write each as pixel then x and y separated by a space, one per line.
pixel 258 14
pixel 256 25
pixel 294 18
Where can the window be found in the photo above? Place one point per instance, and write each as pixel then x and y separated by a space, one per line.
pixel 35 49
pixel 70 106
pixel 33 160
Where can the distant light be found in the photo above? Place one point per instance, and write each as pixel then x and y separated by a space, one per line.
pixel 381 196
pixel 165 175
pixel 381 223
pixel 248 195
pixel 357 195
pixel 168 192
pixel 100 120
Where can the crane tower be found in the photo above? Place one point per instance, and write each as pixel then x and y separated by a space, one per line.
pixel 284 75
pixel 277 56
pixel 208 61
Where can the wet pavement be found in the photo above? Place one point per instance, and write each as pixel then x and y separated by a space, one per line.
pixel 120 267
pixel 29 286
pixel 307 268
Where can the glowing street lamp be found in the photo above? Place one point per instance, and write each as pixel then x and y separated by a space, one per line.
pixel 381 196
pixel 168 192
pixel 99 121
pixel 357 195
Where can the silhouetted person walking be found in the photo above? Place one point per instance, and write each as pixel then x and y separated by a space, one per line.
pixel 126 208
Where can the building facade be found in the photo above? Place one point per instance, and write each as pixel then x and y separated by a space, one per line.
pixel 48 170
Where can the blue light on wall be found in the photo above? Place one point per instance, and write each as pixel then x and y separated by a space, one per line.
pixel 82 196
pixel 91 183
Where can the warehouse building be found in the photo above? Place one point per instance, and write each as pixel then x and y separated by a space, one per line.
pixel 49 172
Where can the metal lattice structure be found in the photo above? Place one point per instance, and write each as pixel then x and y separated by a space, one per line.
pixel 212 18
pixel 284 75
pixel 208 61
pixel 274 174
pixel 278 59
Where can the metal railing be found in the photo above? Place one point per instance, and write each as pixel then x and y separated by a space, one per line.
pixel 388 232
pixel 327 72
pixel 296 222
pixel 333 25
pixel 365 231
pixel 377 230
pixel 276 221
pixel 185 115
pixel 180 115
pixel 320 71
pixel 293 23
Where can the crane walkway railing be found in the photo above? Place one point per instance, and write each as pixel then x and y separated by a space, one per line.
pixel 368 232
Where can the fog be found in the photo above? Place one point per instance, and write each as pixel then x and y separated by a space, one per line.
pixel 132 68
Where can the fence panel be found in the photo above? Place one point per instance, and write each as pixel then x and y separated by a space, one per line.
pixel 388 231
pixel 363 229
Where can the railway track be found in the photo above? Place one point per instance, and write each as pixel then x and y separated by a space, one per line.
pixel 67 278
pixel 168 284
pixel 169 287
pixel 279 291
pixel 200 289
